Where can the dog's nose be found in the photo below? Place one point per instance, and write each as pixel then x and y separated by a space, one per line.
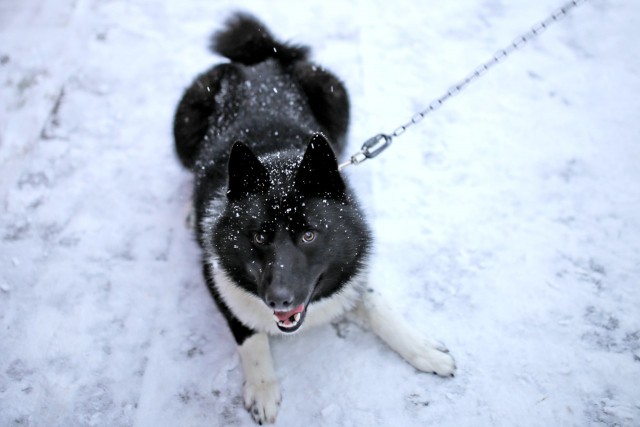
pixel 279 298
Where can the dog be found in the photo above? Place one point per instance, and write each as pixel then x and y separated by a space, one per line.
pixel 284 241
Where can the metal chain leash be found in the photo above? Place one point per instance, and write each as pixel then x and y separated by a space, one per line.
pixel 377 144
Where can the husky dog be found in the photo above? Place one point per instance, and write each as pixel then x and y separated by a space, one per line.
pixel 284 241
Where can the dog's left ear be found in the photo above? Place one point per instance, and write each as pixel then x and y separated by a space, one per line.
pixel 318 174
pixel 246 173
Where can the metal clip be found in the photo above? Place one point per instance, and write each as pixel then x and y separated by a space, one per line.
pixel 376 145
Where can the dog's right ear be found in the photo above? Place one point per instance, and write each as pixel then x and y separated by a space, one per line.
pixel 318 174
pixel 246 173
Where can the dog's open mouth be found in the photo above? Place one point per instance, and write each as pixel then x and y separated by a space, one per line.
pixel 290 321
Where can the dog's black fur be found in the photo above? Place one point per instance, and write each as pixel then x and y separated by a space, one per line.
pixel 255 133
pixel 283 239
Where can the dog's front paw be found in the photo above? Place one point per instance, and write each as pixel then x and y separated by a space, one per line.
pixel 429 357
pixel 262 400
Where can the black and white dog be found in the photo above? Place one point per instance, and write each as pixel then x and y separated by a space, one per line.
pixel 284 242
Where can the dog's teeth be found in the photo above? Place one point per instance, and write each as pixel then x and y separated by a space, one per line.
pixel 289 323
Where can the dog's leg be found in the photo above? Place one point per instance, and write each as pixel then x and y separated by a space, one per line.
pixel 327 98
pixel 261 390
pixel 421 352
pixel 198 104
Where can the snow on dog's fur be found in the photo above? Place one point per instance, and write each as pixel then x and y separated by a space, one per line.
pixel 284 242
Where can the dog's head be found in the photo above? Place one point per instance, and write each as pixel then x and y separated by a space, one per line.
pixel 290 232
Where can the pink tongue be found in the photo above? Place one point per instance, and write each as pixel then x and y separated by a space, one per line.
pixel 284 315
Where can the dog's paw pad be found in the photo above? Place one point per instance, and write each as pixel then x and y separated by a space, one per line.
pixel 435 359
pixel 262 400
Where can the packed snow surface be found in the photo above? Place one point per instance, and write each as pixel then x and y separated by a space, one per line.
pixel 507 223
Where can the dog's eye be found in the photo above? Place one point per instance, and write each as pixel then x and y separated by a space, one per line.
pixel 259 238
pixel 309 236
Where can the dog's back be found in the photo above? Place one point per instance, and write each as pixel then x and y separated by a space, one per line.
pixel 269 95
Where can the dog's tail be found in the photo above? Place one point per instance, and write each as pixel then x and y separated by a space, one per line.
pixel 247 41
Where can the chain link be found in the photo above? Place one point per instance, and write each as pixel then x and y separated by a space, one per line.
pixel 502 54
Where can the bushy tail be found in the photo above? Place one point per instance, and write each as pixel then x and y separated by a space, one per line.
pixel 246 40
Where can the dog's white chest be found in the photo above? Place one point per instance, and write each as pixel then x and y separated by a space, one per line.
pixel 255 314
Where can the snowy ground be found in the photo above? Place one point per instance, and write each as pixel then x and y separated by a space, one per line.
pixel 507 223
